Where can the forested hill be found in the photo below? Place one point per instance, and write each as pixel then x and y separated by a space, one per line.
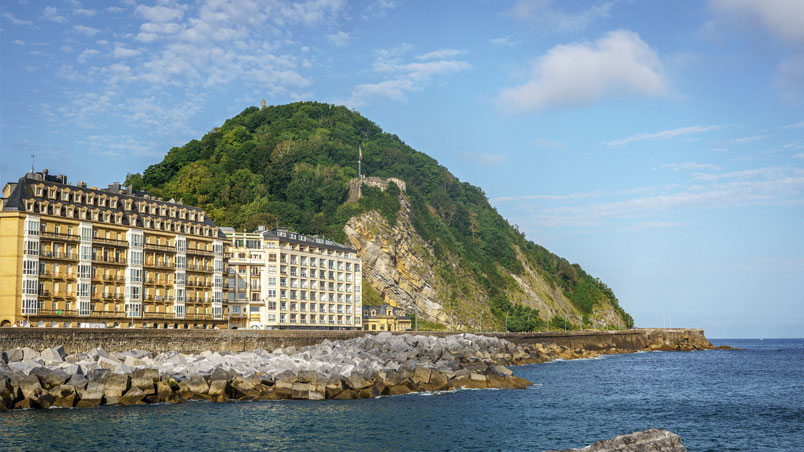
pixel 290 165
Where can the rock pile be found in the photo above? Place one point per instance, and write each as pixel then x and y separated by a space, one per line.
pixel 365 367
pixel 651 440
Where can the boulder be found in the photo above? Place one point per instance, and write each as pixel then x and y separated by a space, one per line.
pixel 14 355
pixel 300 391
pixel 50 378
pixel 133 396
pixel 65 396
pixel 151 373
pixel 643 441
pixel 30 387
pixel 55 354
pixel 91 397
pixel 356 382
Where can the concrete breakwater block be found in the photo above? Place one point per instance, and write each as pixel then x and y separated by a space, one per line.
pixel 363 367
pixel 652 440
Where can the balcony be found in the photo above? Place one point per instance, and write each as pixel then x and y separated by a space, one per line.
pixel 199 252
pixel 59 236
pixel 110 242
pixel 199 268
pixel 155 247
pixel 154 264
pixel 58 255
pixel 109 260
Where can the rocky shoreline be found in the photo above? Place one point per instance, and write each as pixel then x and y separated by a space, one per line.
pixel 363 367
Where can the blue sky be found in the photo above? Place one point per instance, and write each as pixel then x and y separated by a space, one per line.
pixel 659 144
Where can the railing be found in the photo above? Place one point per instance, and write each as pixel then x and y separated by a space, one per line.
pixel 58 255
pixel 60 236
pixel 199 268
pixel 200 252
pixel 112 242
pixel 63 275
pixel 159 264
pixel 109 260
pixel 154 246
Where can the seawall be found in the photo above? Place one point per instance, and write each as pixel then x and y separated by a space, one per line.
pixel 195 341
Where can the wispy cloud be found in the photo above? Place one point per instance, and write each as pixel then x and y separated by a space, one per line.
pixel 751 139
pixel 52 14
pixel 663 134
pixel 405 76
pixel 618 64
pixel 797 125
pixel 758 187
pixel 545 14
pixel 545 197
pixel 440 54
pixel 691 166
pixel 85 30
pixel 340 39
pixel 11 18
pixel 504 41
pixel 648 225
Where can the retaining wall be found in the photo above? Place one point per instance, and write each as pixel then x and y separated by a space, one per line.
pixel 195 341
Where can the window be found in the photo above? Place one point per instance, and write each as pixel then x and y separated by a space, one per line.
pixel 271 293
pixel 29 306
pixel 217 296
pixel 135 240
pixel 30 287
pixel 181 245
pixel 31 247
pixel 217 265
pixel 32 227
pixel 83 289
pixel 135 275
pixel 135 257
pixel 29 267
pixel 84 270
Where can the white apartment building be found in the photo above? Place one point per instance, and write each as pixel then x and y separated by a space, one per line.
pixel 279 279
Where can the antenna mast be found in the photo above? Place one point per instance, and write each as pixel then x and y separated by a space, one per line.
pixel 359 161
pixel 32 163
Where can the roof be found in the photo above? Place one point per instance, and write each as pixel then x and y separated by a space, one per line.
pixel 23 190
pixel 384 310
pixel 301 239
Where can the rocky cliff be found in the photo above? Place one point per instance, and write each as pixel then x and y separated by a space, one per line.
pixel 403 268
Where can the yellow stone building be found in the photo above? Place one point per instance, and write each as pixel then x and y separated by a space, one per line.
pixel 385 317
pixel 284 280
pixel 73 256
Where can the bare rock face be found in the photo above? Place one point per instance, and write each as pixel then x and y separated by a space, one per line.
pixel 402 267
pixel 652 440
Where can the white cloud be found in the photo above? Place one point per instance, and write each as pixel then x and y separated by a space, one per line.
pixel 800 155
pixel 115 9
pixel 570 196
pixel 691 166
pixel 85 30
pixel 484 158
pixel 663 135
pixel 121 51
pixel 758 187
pixel 504 41
pixel 440 54
pixel 618 64
pixel 159 13
pixel 405 77
pixel 10 17
pixel 797 125
pixel 84 12
pixel 52 14
pixel 340 39
pixel 18 42
pixel 750 139
pixel 87 54
pixel 545 14
pixel 781 18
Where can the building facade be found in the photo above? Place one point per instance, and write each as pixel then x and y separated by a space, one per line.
pixel 73 256
pixel 284 280
pixel 385 317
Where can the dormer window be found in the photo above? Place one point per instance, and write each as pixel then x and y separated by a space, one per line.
pixel 38 191
pixel 90 200
pixel 65 196
pixel 51 193
pixel 77 198
pixel 113 203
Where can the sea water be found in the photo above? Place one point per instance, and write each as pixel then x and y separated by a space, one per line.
pixel 716 400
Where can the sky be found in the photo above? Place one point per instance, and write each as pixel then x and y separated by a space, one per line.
pixel 658 144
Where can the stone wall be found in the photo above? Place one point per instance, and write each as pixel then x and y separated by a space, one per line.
pixel 195 341
pixel 356 185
